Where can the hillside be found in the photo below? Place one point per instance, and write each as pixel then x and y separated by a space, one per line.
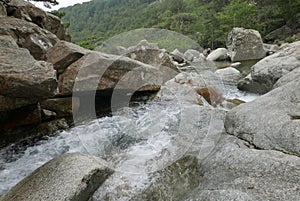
pixel 206 21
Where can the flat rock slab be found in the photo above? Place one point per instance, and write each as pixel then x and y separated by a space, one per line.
pixel 271 121
pixel 71 176
pixel 235 171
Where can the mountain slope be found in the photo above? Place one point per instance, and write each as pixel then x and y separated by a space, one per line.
pixel 205 21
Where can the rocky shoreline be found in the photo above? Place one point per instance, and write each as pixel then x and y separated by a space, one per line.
pixel 257 149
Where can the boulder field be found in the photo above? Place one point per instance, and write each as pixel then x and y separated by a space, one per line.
pixel 252 152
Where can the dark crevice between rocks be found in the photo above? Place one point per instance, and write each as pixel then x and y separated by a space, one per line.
pixel 295 117
pixel 248 142
pixel 285 152
pixel 103 101
pixel 253 146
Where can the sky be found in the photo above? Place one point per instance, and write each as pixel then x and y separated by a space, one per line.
pixel 62 3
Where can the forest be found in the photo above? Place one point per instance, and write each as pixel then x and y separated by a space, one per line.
pixel 205 21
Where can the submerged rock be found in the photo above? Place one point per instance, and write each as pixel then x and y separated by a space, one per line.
pixel 71 176
pixel 173 182
pixel 52 127
pixel 245 44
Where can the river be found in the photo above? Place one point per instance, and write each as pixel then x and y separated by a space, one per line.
pixel 134 141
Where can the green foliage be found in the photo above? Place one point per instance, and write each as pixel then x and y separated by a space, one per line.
pixel 47 3
pixel 58 14
pixel 205 21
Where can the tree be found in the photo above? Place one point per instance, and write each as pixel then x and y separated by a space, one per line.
pixel 48 3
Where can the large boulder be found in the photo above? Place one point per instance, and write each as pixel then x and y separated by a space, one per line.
pixel 218 54
pixel 237 171
pixel 63 54
pixel 271 121
pixel 23 77
pixel 269 70
pixel 193 88
pixel 149 53
pixel 27 11
pixel 70 177
pixel 229 75
pixel 245 44
pixel 28 35
pixel 278 34
pixel 118 72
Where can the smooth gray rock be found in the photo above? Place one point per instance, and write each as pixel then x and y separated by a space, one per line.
pixel 268 71
pixel 229 75
pixel 236 171
pixel 271 121
pixel 218 55
pixel 21 76
pixel 245 44
pixel 72 177
pixel 291 76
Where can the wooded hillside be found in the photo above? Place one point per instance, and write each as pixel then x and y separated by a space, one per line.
pixel 206 21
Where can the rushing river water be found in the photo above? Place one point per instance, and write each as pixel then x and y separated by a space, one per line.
pixel 141 139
